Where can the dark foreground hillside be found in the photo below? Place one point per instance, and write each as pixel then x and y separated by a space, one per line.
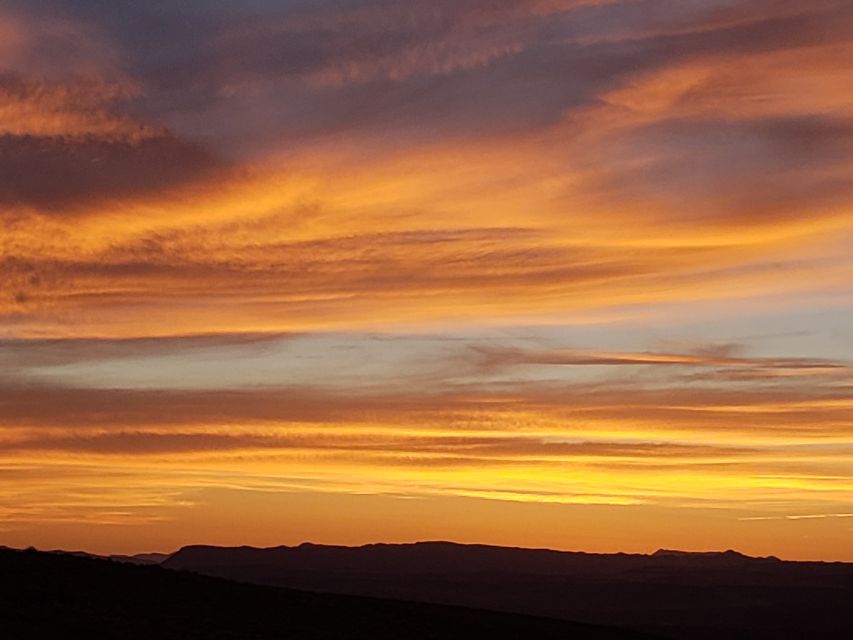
pixel 680 595
pixel 48 595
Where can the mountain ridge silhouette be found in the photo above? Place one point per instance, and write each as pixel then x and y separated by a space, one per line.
pixel 718 594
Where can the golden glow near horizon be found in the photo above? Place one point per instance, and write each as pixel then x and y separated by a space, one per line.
pixel 561 273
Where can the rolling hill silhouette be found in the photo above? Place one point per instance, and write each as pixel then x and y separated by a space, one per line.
pixel 671 593
pixel 53 595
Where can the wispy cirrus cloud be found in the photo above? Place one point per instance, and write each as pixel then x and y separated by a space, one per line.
pixel 614 145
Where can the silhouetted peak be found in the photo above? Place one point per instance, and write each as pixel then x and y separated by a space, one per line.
pixel 728 554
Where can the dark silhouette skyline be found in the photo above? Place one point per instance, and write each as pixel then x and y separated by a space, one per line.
pixel 55 595
pixel 677 594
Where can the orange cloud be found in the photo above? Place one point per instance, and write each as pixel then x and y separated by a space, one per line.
pixel 41 109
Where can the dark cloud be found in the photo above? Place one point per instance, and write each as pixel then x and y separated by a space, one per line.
pixel 37 404
pixel 295 70
pixel 265 74
pixel 805 409
pixel 58 175
pixel 751 169
pixel 52 352
pixel 496 357
pixel 455 450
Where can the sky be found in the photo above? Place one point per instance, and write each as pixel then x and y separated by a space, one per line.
pixel 548 273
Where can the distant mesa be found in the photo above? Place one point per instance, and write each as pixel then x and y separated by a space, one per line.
pixel 660 553
pixel 670 593
pixel 729 554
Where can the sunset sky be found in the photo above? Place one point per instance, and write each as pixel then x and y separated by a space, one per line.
pixel 554 273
